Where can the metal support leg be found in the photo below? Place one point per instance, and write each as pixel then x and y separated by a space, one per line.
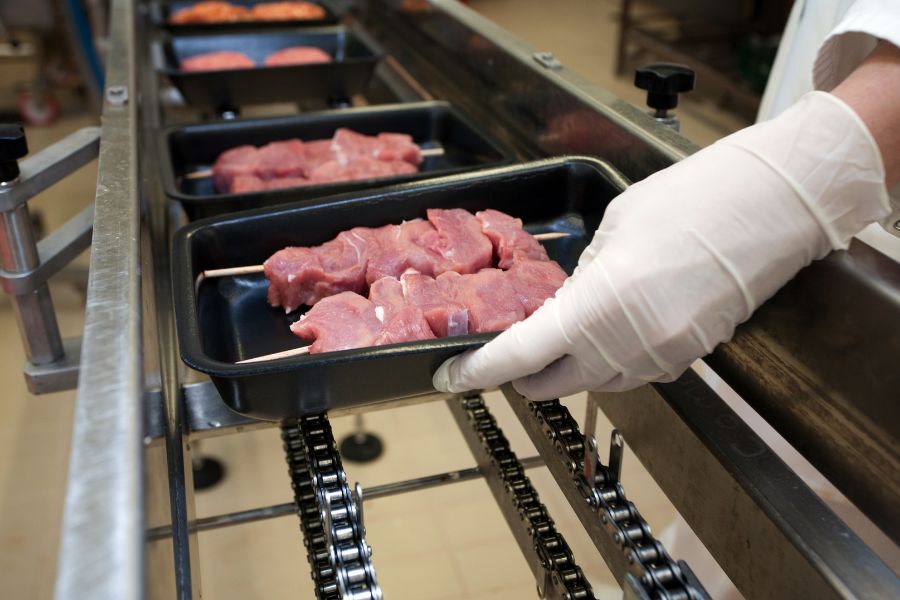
pixel 361 446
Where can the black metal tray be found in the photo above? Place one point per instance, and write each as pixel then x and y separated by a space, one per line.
pixel 230 320
pixel 160 12
pixel 355 57
pixel 431 124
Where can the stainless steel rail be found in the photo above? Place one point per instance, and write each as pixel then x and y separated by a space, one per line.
pixel 102 544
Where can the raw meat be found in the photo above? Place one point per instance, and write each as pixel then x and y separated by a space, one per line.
pixel 343 321
pixel 457 243
pixel 489 296
pixel 535 281
pixel 298 55
pixel 287 11
pixel 403 322
pixel 283 183
pixel 445 316
pixel 245 184
pixel 217 61
pixel 348 146
pixel 398 248
pixel 281 159
pixel 209 12
pixel 243 160
pixel 299 276
pixel 511 242
pixel 361 168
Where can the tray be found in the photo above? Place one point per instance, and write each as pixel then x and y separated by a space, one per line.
pixel 231 321
pixel 160 11
pixel 429 123
pixel 355 59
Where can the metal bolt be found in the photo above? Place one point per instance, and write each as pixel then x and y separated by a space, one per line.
pixel 214 424
pixel 117 95
pixel 897 225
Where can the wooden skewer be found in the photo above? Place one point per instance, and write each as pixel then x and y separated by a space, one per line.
pixel 204 173
pixel 283 354
pixel 250 269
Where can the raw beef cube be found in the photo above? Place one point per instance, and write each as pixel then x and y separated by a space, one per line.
pixel 340 322
pixel 397 146
pixel 407 325
pixel 217 61
pixel 347 146
pixel 286 182
pixel 209 12
pixel 490 298
pixel 299 276
pixel 317 153
pixel 242 160
pixel 287 11
pixel 387 295
pixel 445 316
pixel 457 244
pixel 245 184
pixel 535 281
pixel 297 55
pixel 397 250
pixel 511 242
pixel 282 159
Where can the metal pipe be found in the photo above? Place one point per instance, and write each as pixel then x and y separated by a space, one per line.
pixel 34 310
pixel 379 491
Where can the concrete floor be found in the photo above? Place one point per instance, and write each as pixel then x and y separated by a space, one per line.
pixel 449 542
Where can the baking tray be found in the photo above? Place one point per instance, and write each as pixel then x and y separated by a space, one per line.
pixel 229 319
pixel 355 57
pixel 160 11
pixel 430 124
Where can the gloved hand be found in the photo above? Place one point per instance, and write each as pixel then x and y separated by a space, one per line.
pixel 685 255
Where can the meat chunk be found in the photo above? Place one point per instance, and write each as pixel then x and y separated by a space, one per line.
pixel 398 248
pixel 511 242
pixel 209 12
pixel 457 243
pixel 287 11
pixel 445 316
pixel 283 183
pixel 340 322
pixel 217 61
pixel 348 146
pixel 489 296
pixel 403 322
pixel 360 168
pixel 243 160
pixel 535 281
pixel 281 159
pixel 245 184
pixel 297 55
pixel 303 276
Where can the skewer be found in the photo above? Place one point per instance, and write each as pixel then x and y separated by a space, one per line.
pixel 283 354
pixel 250 269
pixel 204 173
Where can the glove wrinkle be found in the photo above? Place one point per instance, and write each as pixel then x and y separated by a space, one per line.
pixel 729 268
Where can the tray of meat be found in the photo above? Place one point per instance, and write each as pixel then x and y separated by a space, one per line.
pixel 215 168
pixel 207 16
pixel 226 71
pixel 378 288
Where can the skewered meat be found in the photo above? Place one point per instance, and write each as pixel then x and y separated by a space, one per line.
pixel 297 55
pixel 402 322
pixel 451 240
pixel 354 157
pixel 534 281
pixel 287 11
pixel 511 242
pixel 489 297
pixel 343 321
pixel 217 61
pixel 445 316
pixel 210 12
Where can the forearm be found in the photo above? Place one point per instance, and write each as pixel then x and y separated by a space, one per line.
pixel 873 92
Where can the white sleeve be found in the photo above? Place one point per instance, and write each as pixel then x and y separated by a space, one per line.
pixel 848 44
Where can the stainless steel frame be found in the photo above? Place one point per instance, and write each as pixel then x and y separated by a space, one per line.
pixel 136 413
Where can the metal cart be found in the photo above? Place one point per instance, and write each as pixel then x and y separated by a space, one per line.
pixel 129 528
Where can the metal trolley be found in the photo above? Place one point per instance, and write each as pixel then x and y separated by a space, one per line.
pixel 129 529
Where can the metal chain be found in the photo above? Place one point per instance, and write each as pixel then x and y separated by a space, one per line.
pixel 333 532
pixel 563 574
pixel 659 575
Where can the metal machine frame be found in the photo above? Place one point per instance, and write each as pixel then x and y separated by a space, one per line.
pixel 129 506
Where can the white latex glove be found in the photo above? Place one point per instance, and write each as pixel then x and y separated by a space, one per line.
pixel 685 255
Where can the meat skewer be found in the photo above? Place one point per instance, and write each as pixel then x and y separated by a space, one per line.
pixel 205 173
pixel 251 269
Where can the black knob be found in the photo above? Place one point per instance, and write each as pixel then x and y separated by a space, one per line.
pixel 663 83
pixel 13 146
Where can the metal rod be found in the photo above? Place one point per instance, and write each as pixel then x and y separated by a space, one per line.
pixel 379 491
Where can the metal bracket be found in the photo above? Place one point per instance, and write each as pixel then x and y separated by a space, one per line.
pixel 50 165
pixel 57 376
pixel 55 251
pixel 547 60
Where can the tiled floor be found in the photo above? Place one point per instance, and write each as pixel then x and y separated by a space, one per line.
pixel 448 542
